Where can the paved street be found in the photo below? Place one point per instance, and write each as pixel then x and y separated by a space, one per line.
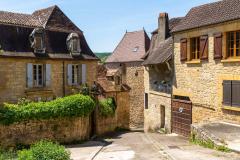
pixel 140 146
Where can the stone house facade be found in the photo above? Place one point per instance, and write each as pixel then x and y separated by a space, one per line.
pixel 43 56
pixel 158 76
pixel 127 63
pixel 206 57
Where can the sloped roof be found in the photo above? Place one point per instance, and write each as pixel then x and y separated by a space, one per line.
pixel 209 14
pixel 160 54
pixel 125 49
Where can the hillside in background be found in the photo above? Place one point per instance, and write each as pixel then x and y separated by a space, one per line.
pixel 103 56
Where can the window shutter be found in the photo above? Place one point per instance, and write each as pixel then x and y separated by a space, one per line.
pixel 29 75
pixel 146 100
pixel 204 47
pixel 183 50
pixel 69 74
pixel 84 73
pixel 236 93
pixel 227 93
pixel 218 46
pixel 48 75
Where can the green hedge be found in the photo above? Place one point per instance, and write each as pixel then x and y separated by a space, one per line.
pixel 107 107
pixel 71 106
pixel 44 150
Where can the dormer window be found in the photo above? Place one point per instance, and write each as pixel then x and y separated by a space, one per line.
pixel 135 49
pixel 73 44
pixel 37 40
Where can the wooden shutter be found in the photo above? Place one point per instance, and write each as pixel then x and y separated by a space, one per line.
pixel 69 74
pixel 204 47
pixel 80 74
pixel 183 49
pixel 29 75
pixel 236 93
pixel 227 93
pixel 146 100
pixel 84 73
pixel 218 46
pixel 48 75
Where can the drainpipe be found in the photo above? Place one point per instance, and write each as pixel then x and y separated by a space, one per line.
pixel 63 86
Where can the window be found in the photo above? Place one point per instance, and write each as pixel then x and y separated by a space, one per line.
pixel 37 40
pixel 76 74
pixel 146 100
pixel 73 44
pixel 231 93
pixel 233 44
pixel 37 75
pixel 118 80
pixel 195 48
pixel 135 49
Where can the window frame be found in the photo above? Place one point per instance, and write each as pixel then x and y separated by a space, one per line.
pixel 76 74
pixel 36 81
pixel 232 102
pixel 234 48
pixel 195 48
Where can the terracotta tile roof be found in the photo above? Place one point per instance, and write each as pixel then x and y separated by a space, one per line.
pixel 39 18
pixel 138 41
pixel 173 22
pixel 209 14
pixel 160 54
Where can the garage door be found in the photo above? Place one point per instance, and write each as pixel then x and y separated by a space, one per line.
pixel 181 117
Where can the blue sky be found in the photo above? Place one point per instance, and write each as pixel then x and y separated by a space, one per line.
pixel 104 22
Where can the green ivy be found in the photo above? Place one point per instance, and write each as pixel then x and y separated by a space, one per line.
pixel 107 107
pixel 71 106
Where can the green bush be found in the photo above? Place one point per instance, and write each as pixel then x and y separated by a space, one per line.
pixel 71 106
pixel 7 154
pixel 107 107
pixel 44 150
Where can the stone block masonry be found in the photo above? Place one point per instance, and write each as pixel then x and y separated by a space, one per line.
pixel 67 130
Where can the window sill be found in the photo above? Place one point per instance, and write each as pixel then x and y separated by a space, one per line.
pixel 230 60
pixel 231 108
pixel 198 61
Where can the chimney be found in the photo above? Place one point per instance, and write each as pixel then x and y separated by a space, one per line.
pixel 163 27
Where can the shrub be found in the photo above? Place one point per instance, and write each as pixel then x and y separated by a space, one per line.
pixel 7 154
pixel 107 107
pixel 44 150
pixel 71 106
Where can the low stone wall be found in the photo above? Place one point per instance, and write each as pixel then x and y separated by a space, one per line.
pixel 61 130
pixel 119 120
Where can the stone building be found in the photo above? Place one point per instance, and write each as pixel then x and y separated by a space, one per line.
pixel 43 55
pixel 125 67
pixel 158 76
pixel 207 63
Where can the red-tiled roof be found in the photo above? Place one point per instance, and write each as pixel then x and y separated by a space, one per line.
pixel 131 48
pixel 209 14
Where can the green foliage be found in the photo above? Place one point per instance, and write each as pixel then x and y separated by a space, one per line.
pixel 207 144
pixel 107 107
pixel 103 56
pixel 44 150
pixel 7 154
pixel 71 106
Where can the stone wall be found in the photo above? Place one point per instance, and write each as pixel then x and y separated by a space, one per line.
pixel 13 79
pixel 61 130
pixel 202 81
pixel 135 79
pixel 121 117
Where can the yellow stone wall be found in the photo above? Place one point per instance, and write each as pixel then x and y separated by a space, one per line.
pixel 202 82
pixel 13 81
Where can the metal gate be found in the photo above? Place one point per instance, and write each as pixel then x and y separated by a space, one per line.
pixel 181 117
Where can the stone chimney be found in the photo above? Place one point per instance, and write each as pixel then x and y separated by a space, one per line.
pixel 163 27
